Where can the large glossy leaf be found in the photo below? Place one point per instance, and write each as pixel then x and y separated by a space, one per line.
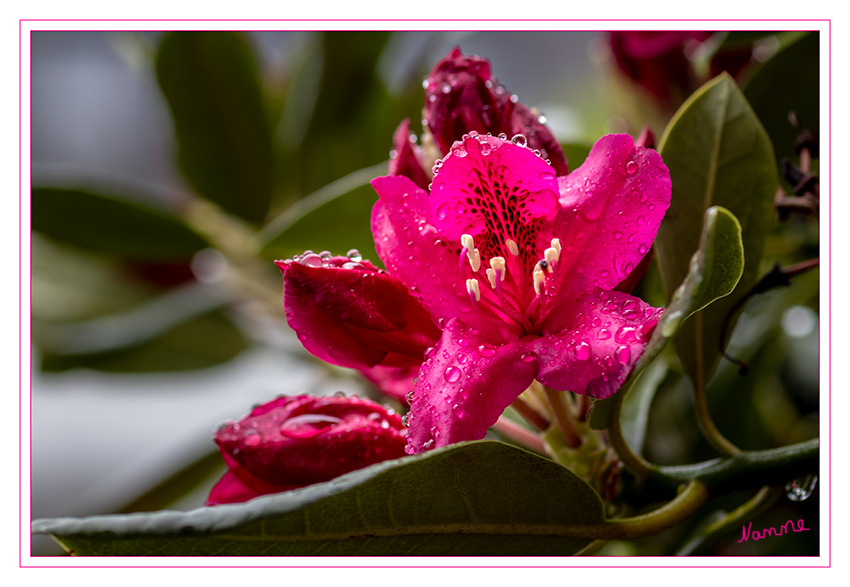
pixel 718 154
pixel 787 82
pixel 713 272
pixel 111 225
pixel 336 218
pixel 224 139
pixel 479 498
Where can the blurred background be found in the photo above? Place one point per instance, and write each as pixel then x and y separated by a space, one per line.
pixel 169 169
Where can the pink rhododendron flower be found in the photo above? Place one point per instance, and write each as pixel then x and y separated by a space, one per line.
pixel 517 268
pixel 296 441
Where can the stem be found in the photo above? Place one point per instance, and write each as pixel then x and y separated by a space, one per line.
pixel 636 464
pixel 520 435
pixel 689 500
pixel 532 416
pixel 562 417
pixel 717 441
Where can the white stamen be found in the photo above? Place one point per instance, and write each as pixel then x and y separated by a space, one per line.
pixel 539 277
pixel 556 244
pixel 472 288
pixel 498 265
pixel 512 247
pixel 551 255
pixel 467 241
pixel 491 275
pixel 475 260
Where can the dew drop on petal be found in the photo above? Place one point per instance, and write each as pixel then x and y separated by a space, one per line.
pixel 486 351
pixel 642 249
pixel 453 374
pixel 302 336
pixel 252 438
pixel 631 167
pixel 582 351
pixel 355 255
pixel 307 425
pixel 408 449
pixel 623 353
pixel 519 140
pixel 442 211
pixel 528 357
pixel 604 334
pixel 618 235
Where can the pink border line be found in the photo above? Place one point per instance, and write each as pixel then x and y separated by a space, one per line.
pixel 21 22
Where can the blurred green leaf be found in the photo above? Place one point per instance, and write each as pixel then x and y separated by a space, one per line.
pixel 224 139
pixel 713 272
pixel 200 342
pixel 789 81
pixel 336 218
pixel 718 154
pixel 110 225
pixel 576 154
pixel 478 498
pixel 635 414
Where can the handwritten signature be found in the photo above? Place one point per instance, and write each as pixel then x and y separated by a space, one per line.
pixel 747 532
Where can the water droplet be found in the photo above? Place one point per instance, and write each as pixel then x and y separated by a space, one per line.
pixel 252 438
pixel 446 88
pixel 641 221
pixel 604 273
pixel 631 238
pixel 546 176
pixel 442 211
pixel 302 336
pixel 519 140
pixel 618 235
pixel 642 250
pixel 631 167
pixel 604 334
pixel 409 397
pixel 458 150
pixel 453 374
pixel 355 255
pixel 541 119
pixel 405 420
pixel 312 260
pixel 307 425
pixel 596 322
pixel 486 149
pixel 801 489
pixel 486 351
pixel 408 449
pixel 425 84
pixel 463 342
pixel 623 353
pixel 625 334
pixel 428 444
pixel 582 351
pixel 528 357
pixel 503 136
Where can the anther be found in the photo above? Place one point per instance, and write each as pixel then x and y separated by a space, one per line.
pixel 491 275
pixel 469 248
pixel 472 289
pixel 551 255
pixel 475 260
pixel 539 278
pixel 556 244
pixel 512 247
pixel 498 265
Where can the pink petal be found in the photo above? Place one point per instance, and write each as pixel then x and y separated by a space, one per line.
pixel 354 317
pixel 464 386
pixel 394 381
pixel 406 161
pixel 487 185
pixel 414 252
pixel 605 333
pixel 233 489
pixel 611 208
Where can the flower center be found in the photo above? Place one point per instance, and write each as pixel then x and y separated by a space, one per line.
pixel 503 291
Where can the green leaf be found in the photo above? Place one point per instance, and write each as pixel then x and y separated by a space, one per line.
pixel 635 414
pixel 713 272
pixel 718 154
pixel 106 224
pixel 224 139
pixel 478 498
pixel 787 82
pixel 336 218
pixel 197 343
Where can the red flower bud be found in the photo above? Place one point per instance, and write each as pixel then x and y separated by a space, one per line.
pixel 462 96
pixel 296 441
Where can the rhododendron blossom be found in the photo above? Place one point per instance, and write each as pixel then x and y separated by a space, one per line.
pixel 291 442
pixel 516 267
